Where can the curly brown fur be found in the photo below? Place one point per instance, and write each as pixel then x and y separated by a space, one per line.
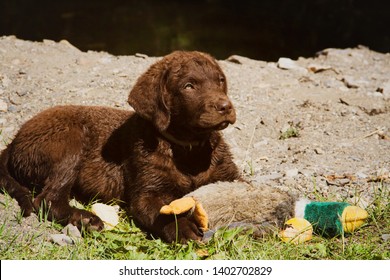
pixel 169 147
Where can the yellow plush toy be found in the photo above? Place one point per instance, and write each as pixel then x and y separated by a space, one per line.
pixel 187 204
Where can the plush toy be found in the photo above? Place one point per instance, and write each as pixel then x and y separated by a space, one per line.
pixel 266 209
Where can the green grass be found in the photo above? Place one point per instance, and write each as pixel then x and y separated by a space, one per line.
pixel 128 242
pixel 291 131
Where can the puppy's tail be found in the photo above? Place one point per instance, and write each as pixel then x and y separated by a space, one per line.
pixel 9 185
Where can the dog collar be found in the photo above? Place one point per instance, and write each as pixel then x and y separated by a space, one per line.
pixel 185 144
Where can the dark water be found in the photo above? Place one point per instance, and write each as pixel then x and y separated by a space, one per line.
pixel 263 30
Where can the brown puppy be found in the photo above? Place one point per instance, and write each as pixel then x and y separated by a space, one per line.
pixel 169 147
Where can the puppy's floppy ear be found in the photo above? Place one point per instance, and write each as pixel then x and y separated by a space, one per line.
pixel 149 96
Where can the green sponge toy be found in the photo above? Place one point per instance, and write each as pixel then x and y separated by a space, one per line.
pixel 327 219
pixel 334 218
pixel 266 209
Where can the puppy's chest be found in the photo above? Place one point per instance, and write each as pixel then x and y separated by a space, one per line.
pixel 195 162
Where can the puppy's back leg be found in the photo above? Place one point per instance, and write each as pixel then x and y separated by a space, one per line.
pixel 22 194
pixel 55 196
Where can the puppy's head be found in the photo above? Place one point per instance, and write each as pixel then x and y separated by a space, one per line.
pixel 184 90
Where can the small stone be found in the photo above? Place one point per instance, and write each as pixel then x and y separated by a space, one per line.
pixel 352 82
pixel 15 99
pixel 82 61
pixel 72 231
pixel 3 106
pixel 287 63
pixel 13 109
pixel 385 90
pixel 61 239
pixel 141 55
pixel 344 181
pixel 386 237
pixel 5 81
pixel 259 144
pixel 319 151
pixel 315 68
pixel 105 60
pixel 292 173
pixel 361 175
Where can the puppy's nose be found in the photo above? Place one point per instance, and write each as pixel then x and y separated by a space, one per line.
pixel 224 107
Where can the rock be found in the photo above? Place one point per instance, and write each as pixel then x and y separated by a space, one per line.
pixel 69 236
pixel 386 237
pixel 385 90
pixel 319 151
pixel 72 231
pixel 3 106
pixel 361 175
pixel 316 68
pixel 289 64
pixel 13 109
pixel 292 173
pixel 141 55
pixel 352 82
pixel 5 81
pixel 61 239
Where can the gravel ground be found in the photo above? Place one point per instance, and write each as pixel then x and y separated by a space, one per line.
pixel 337 102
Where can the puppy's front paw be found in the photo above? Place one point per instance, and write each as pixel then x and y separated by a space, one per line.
pixel 182 231
pixel 87 220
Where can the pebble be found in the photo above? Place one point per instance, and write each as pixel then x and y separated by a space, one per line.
pixel 141 55
pixel 61 239
pixel 292 173
pixel 386 237
pixel 319 151
pixel 82 61
pixel 361 175
pixel 3 106
pixel 13 109
pixel 72 231
pixel 289 64
pixel 315 68
pixel 352 82
pixel 259 144
pixel 385 89
pixel 69 236
pixel 105 60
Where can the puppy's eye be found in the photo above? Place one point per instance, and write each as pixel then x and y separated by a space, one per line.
pixel 221 80
pixel 189 86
